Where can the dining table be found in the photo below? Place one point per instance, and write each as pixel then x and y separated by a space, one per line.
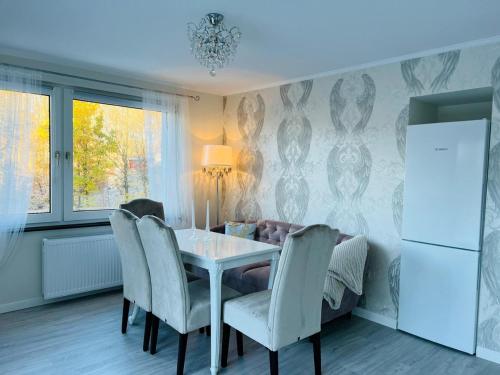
pixel 217 252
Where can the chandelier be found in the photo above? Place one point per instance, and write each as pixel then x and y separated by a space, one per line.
pixel 212 44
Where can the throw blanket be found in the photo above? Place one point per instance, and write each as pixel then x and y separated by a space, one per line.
pixel 345 270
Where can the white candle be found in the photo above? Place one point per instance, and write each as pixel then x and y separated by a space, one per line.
pixel 193 223
pixel 207 227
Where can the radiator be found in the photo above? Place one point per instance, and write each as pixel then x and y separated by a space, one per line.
pixel 79 264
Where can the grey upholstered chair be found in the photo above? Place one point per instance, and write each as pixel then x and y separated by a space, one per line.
pixel 183 306
pixel 143 206
pixel 135 270
pixel 291 311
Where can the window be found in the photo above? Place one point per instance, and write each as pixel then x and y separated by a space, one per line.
pixel 40 156
pixel 109 155
pixel 108 164
pixel 40 206
pixel 87 151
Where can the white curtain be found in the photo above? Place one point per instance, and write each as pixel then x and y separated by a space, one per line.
pixel 16 173
pixel 168 155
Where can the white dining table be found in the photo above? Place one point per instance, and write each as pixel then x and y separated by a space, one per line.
pixel 217 252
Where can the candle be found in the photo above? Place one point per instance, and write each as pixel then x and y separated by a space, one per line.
pixel 207 226
pixel 193 223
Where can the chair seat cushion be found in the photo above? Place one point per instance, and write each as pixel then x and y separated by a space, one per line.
pixel 249 315
pixel 199 294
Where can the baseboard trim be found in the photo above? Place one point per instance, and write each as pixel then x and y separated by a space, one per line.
pixel 374 317
pixel 20 305
pixel 488 354
pixel 40 301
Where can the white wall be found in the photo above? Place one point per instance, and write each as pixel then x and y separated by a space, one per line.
pixel 21 277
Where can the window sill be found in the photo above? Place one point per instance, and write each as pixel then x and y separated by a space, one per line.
pixel 44 227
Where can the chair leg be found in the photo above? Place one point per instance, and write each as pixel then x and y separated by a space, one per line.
pixel 181 355
pixel 226 331
pixel 239 343
pixel 317 353
pixel 147 331
pixel 273 362
pixel 154 334
pixel 126 307
pixel 208 331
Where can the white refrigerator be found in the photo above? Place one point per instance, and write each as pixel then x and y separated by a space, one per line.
pixel 442 231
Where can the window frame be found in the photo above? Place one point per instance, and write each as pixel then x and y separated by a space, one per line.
pixel 61 88
pixel 70 94
pixel 55 177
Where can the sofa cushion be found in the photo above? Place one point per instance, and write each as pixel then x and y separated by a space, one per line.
pixel 249 278
pixel 343 237
pixel 274 232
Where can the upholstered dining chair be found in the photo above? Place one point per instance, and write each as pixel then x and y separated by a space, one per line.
pixel 135 270
pixel 143 206
pixel 291 311
pixel 183 306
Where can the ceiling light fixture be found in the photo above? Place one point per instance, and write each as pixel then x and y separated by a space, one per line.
pixel 212 44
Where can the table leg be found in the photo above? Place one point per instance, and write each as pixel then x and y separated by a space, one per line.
pixel 215 316
pixel 131 318
pixel 274 267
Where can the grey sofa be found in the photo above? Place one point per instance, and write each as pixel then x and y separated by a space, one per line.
pixel 254 277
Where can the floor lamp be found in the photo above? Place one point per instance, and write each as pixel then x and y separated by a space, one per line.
pixel 217 161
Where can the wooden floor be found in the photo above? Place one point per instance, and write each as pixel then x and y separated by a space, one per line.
pixel 83 337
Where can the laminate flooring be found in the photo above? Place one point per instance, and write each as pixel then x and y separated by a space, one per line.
pixel 82 336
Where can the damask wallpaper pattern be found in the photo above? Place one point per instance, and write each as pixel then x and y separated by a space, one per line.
pixel 294 140
pixel 489 327
pixel 331 150
pixel 350 161
pixel 397 204
pixel 448 62
pixel 250 163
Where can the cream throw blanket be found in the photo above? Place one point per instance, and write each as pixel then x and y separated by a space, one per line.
pixel 345 270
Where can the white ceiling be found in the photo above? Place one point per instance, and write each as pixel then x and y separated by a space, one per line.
pixel 282 40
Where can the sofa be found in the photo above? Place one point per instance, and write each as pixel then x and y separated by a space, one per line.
pixel 254 277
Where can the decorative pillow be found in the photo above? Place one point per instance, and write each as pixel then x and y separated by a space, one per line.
pixel 347 264
pixel 243 230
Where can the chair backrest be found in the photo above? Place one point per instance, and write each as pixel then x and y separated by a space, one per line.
pixel 295 308
pixel 169 286
pixel 142 207
pixel 135 271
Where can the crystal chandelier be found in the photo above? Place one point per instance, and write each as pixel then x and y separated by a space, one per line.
pixel 212 44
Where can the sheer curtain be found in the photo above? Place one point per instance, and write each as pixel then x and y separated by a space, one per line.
pixel 16 173
pixel 168 155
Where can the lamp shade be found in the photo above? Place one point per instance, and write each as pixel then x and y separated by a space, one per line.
pixel 217 156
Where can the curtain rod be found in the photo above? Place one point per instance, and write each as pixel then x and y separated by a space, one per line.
pixel 196 98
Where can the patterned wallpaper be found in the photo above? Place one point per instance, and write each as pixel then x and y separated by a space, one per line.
pixel 249 162
pixel 294 142
pixel 331 150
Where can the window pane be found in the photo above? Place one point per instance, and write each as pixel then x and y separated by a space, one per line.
pixel 39 163
pixel 109 163
pixel 40 159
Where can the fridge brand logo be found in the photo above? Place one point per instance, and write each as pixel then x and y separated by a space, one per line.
pixel 440 148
